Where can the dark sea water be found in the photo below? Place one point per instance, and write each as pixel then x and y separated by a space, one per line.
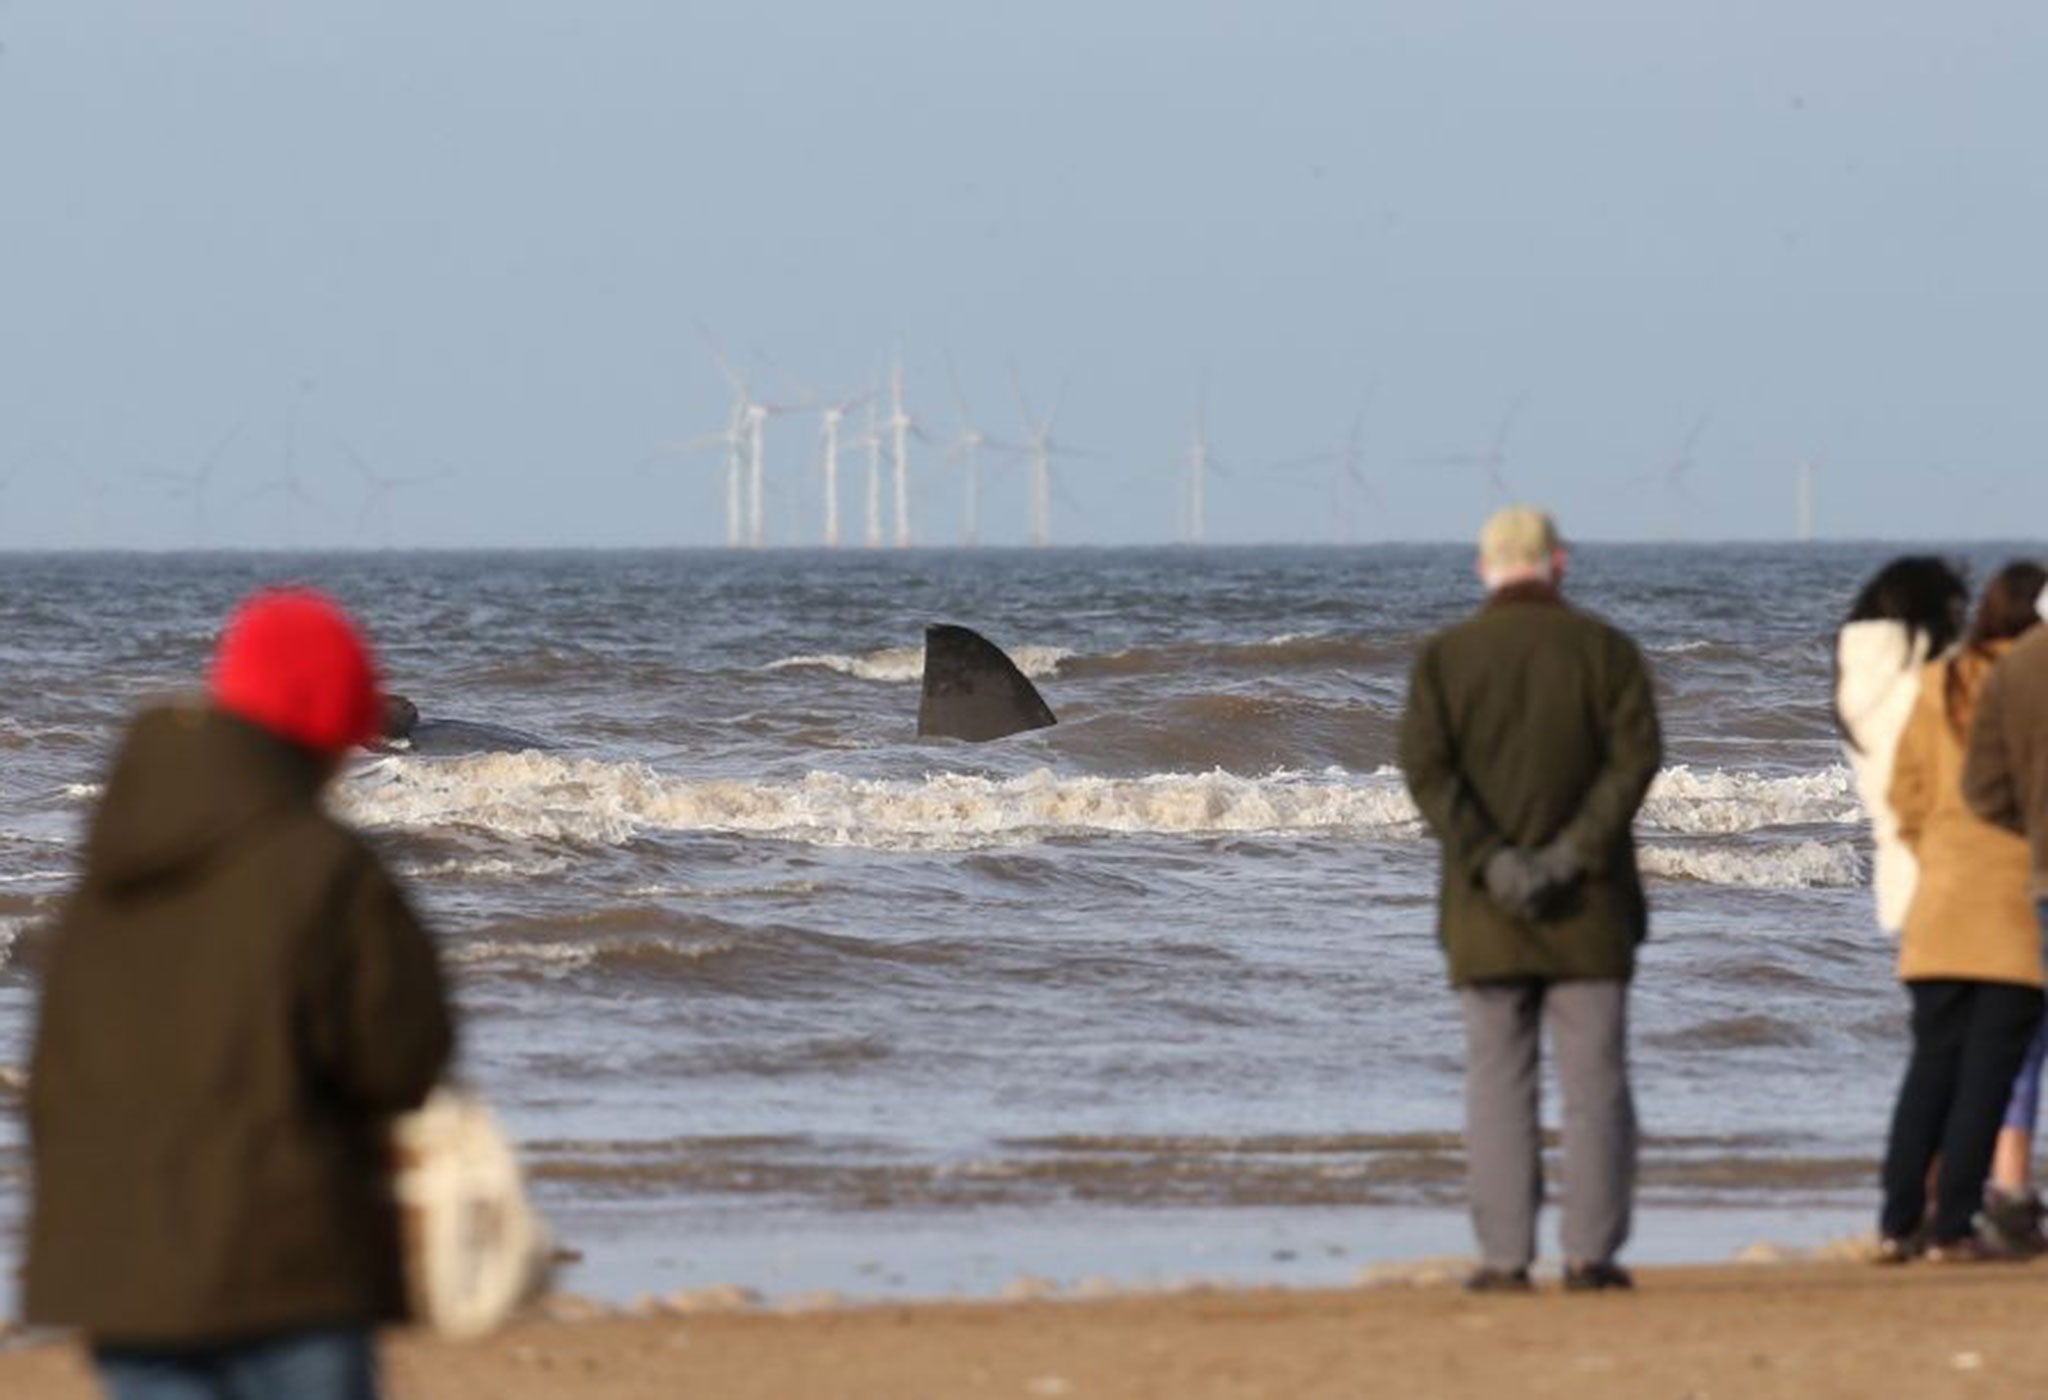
pixel 774 992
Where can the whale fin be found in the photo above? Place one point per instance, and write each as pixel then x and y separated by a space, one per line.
pixel 973 691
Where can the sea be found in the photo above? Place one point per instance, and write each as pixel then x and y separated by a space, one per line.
pixel 771 992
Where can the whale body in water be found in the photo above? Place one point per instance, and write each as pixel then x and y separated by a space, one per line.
pixel 973 691
pixel 405 730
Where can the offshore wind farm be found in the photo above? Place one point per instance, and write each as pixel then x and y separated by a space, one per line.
pixel 891 461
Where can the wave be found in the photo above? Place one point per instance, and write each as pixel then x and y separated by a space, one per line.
pixel 901 664
pixel 1287 651
pixel 1804 866
pixel 1725 802
pixel 537 796
pixel 560 956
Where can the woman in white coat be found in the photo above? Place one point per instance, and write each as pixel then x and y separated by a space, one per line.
pixel 1911 612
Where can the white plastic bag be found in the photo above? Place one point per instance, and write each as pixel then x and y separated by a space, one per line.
pixel 474 1247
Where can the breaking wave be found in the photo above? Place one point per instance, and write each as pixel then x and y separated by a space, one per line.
pixel 537 796
pixel 1723 802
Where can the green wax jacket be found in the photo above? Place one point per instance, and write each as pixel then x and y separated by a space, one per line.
pixel 1528 723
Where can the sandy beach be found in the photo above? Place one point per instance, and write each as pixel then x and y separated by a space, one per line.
pixel 1828 1329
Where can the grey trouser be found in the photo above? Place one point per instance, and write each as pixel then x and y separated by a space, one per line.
pixel 1503 1141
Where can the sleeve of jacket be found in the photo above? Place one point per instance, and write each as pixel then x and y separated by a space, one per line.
pixel 1988 785
pixel 1634 749
pixel 1429 762
pixel 1912 791
pixel 381 1029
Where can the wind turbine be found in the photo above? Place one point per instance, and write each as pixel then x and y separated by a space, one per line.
pixel 1493 458
pixel 829 418
pixel 1348 481
pixel 378 488
pixel 1676 473
pixel 873 442
pixel 1809 472
pixel 194 485
pixel 746 433
pixel 733 440
pixel 1200 462
pixel 288 483
pixel 966 450
pixel 901 426
pixel 1039 447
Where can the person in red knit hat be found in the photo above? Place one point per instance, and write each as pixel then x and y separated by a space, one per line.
pixel 237 999
pixel 292 662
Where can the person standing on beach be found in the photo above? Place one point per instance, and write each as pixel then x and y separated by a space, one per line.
pixel 1529 740
pixel 236 1000
pixel 1970 957
pixel 2005 782
pixel 1909 613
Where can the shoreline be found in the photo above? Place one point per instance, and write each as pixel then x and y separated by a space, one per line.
pixel 1806 1328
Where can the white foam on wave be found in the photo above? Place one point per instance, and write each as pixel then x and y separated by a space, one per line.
pixel 565 957
pixel 906 664
pixel 490 867
pixel 540 796
pixel 777 889
pixel 10 934
pixel 35 877
pixel 83 792
pixel 1725 802
pixel 1804 865
pixel 13 1079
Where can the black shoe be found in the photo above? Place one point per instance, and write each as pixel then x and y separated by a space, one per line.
pixel 1595 1278
pixel 1487 1279
pixel 2011 1223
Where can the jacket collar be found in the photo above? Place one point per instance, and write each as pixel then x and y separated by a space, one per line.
pixel 1527 591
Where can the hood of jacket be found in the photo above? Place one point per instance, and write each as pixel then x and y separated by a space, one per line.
pixel 1872 659
pixel 188 780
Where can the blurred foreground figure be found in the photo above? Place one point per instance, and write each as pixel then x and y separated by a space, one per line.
pixel 237 999
pixel 1529 741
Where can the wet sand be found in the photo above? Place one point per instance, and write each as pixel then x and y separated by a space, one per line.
pixel 1835 1329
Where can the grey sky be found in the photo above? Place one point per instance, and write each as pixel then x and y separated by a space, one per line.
pixel 478 237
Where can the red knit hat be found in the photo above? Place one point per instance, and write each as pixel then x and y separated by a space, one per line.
pixel 293 662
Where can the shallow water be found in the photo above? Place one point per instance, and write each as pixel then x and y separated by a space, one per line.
pixel 747 965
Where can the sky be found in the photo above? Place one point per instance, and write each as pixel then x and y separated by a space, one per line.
pixel 483 249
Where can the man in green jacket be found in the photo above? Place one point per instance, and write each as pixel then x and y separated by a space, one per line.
pixel 236 1001
pixel 1529 741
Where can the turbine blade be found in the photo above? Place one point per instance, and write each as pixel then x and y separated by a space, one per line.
pixel 959 394
pixel 1023 403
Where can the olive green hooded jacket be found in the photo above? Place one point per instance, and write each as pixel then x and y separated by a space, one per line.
pixel 1527 723
pixel 235 999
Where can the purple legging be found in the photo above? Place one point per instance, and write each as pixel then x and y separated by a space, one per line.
pixel 2025 1108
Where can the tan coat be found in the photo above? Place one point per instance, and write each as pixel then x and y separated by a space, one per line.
pixel 1972 916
